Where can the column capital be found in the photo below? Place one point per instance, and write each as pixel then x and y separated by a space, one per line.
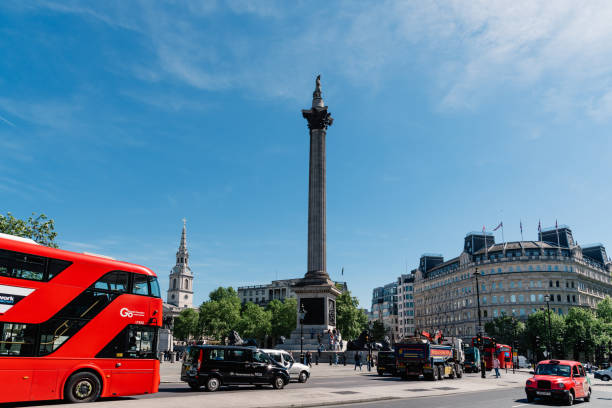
pixel 318 118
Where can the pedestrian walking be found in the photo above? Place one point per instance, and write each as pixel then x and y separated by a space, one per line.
pixel 369 362
pixel 496 367
pixel 309 358
pixel 335 358
pixel 357 362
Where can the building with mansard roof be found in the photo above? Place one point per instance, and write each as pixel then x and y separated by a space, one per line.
pixel 515 279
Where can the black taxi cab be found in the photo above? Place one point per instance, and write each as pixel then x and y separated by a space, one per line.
pixel 561 380
pixel 216 366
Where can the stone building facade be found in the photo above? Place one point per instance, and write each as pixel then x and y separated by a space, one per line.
pixel 405 305
pixel 277 289
pixel 514 278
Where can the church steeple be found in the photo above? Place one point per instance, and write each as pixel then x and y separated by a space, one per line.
pixel 180 288
pixel 182 255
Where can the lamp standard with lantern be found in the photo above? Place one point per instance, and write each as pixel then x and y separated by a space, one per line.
pixel 547 299
pixel 301 315
pixel 479 336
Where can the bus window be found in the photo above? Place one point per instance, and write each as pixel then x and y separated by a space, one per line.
pixel 141 286
pixel 55 266
pixel 31 267
pixel 116 281
pixel 140 342
pixel 55 332
pixel 17 339
pixel 22 266
pixel 132 342
pixel 154 287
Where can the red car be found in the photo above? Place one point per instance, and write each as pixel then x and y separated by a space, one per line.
pixel 561 380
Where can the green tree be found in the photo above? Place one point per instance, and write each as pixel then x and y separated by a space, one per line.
pixel 220 314
pixel 505 329
pixel 582 329
pixel 255 323
pixel 537 325
pixel 39 228
pixel 350 320
pixel 283 317
pixel 604 310
pixel 378 331
pixel 186 325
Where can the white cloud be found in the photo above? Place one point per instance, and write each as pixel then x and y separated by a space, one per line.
pixel 470 50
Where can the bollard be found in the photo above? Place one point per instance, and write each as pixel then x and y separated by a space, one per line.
pixel 317 361
pixel 330 359
pixel 172 355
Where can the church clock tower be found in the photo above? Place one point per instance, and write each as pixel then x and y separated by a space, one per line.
pixel 180 287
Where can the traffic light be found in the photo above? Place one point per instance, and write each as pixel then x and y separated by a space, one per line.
pixel 479 340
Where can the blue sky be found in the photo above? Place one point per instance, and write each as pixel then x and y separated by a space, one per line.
pixel 118 119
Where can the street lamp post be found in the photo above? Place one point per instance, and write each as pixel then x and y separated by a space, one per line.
pixel 514 344
pixel 482 363
pixel 547 299
pixel 301 314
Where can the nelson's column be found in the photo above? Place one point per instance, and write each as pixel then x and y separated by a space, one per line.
pixel 316 293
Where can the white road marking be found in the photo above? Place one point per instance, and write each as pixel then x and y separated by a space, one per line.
pixel 520 405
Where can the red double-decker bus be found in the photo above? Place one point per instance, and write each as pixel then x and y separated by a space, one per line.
pixel 75 326
pixel 504 355
pixel 490 348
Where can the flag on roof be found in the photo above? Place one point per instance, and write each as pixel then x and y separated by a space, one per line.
pixel 501 224
pixel 521 226
pixel 539 226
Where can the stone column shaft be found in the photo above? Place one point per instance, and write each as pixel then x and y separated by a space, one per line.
pixel 317 257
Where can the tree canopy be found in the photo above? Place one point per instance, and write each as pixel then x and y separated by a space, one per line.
pixel 186 325
pixel 505 329
pixel 350 320
pixel 283 317
pixel 220 314
pixel 39 228
pixel 255 323
pixel 580 330
pixel 378 331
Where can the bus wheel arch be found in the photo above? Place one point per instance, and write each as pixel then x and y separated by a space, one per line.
pixel 83 373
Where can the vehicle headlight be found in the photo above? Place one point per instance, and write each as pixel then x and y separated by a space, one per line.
pixel 529 381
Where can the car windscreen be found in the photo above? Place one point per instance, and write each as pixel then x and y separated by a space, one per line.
pixel 276 357
pixel 192 354
pixel 554 369
pixel 386 357
pixel 288 358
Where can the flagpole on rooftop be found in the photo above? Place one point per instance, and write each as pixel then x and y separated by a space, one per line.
pixel 522 230
pixel 557 230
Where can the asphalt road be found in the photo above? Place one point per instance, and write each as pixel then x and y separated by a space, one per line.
pixel 357 381
pixel 504 398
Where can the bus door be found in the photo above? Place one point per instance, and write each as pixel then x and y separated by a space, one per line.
pixel 16 344
pixel 134 369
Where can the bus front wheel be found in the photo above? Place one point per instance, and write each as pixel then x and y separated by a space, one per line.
pixel 83 387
